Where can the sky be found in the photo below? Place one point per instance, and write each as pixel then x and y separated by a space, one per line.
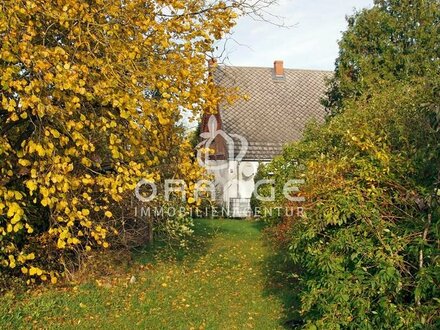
pixel 311 42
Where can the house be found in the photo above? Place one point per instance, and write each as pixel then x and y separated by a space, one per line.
pixel 279 104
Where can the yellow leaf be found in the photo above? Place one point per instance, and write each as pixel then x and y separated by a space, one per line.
pixel 18 195
pixel 14 117
pixel 162 120
pixel 16 219
pixel 31 185
pixel 40 150
pixel 12 263
pixel 17 227
pixel 14 209
pixel 33 270
pixel 55 133
pixel 24 162
pixel 61 244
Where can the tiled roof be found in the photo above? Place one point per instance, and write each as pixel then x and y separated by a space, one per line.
pixel 277 109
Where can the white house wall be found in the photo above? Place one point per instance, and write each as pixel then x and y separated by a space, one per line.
pixel 233 184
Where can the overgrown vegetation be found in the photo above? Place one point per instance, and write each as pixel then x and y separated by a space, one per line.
pixel 393 41
pixel 368 245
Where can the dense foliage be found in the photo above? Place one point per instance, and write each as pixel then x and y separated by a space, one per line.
pixel 368 245
pixel 395 40
pixel 91 92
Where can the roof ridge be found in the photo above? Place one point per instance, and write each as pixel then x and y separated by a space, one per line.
pixel 266 67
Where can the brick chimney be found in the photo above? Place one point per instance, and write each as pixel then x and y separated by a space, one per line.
pixel 279 69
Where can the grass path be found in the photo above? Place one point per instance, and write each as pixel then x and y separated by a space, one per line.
pixel 226 280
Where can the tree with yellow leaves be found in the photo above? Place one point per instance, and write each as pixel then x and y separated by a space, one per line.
pixel 91 92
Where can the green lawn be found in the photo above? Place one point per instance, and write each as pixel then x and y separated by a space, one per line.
pixel 226 280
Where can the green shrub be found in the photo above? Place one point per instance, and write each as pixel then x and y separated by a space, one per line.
pixel 368 244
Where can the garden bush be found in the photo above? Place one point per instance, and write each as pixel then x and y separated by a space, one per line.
pixel 368 244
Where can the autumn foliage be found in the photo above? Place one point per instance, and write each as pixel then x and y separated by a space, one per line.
pixel 91 92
